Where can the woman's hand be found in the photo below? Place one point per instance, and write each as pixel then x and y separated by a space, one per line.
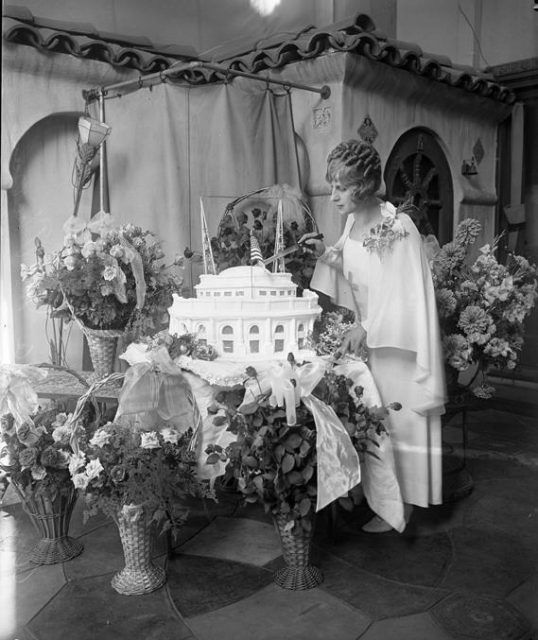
pixel 354 342
pixel 313 243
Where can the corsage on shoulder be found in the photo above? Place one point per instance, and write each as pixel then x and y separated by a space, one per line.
pixel 386 232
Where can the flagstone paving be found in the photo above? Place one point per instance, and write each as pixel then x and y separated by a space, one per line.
pixel 464 569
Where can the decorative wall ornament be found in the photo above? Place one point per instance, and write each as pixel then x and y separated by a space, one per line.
pixel 367 130
pixel 322 117
pixel 478 151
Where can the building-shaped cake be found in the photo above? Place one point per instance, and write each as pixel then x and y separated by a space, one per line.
pixel 247 313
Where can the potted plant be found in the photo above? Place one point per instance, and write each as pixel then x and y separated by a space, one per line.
pixel 275 462
pixel 35 454
pixel 111 280
pixel 140 479
pixel 482 307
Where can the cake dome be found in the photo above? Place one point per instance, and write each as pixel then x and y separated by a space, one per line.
pixel 247 313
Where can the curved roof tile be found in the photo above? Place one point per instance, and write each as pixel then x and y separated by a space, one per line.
pixel 356 35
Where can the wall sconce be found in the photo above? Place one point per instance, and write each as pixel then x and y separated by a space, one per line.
pixel 91 134
pixel 468 168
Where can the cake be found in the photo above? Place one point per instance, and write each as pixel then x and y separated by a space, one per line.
pixel 247 313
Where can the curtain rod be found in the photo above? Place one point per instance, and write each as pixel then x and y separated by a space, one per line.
pixel 120 88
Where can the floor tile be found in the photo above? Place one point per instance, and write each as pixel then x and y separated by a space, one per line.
pixel 102 553
pixel 375 596
pixel 525 599
pixel 90 609
pixel 413 559
pixel 237 539
pixel 487 562
pixel 277 614
pixel 417 627
pixel 198 585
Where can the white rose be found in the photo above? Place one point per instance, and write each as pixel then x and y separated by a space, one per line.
pixel 100 438
pixel 170 435
pixel 149 440
pixel 93 468
pixel 80 480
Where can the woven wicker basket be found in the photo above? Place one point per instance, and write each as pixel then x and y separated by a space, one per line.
pixel 51 520
pixel 102 345
pixel 298 574
pixel 139 575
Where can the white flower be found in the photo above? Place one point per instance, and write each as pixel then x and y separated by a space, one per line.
pixel 76 462
pixel 62 435
pixel 110 272
pixel 80 480
pixel 149 440
pixel 117 251
pixel 93 468
pixel 89 249
pixel 170 435
pixel 60 420
pixel 38 473
pixel 100 438
pixel 70 262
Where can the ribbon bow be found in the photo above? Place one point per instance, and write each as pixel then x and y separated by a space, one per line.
pixel 338 465
pixel 154 383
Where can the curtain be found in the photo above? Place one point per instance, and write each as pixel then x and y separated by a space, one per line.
pixel 168 148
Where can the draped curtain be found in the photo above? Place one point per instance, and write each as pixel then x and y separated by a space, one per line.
pixel 168 148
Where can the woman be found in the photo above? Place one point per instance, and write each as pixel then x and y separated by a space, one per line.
pixel 378 268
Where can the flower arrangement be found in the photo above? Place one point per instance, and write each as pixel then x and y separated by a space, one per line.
pixel 106 277
pixel 36 454
pixel 329 331
pixel 383 235
pixel 273 461
pixel 257 212
pixel 186 344
pixel 482 305
pixel 121 469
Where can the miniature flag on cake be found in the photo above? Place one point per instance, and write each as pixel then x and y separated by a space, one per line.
pixel 255 251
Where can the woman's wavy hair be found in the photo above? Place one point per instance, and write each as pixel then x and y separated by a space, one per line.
pixel 355 163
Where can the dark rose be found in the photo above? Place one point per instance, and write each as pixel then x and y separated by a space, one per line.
pixel 50 457
pixel 117 474
pixel 28 457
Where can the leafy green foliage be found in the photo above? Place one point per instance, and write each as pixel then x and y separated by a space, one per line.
pixel 273 462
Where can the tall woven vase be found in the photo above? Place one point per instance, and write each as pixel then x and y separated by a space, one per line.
pixel 102 344
pixel 139 575
pixel 298 574
pixel 51 519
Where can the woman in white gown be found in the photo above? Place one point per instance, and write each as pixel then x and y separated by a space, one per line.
pixel 378 269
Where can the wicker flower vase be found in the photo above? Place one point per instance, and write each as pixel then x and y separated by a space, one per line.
pixel 102 345
pixel 139 575
pixel 298 574
pixel 51 519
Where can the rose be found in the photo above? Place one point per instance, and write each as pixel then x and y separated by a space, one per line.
pixel 38 472
pixel 50 457
pixel 170 435
pixel 7 424
pixel 70 262
pixel 100 438
pixel 89 249
pixel 80 480
pixel 117 251
pixel 60 420
pixel 94 468
pixel 117 474
pixel 28 457
pixel 109 272
pixel 27 434
pixel 61 435
pixel 149 440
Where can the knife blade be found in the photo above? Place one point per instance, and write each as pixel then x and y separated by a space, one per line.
pixel 292 249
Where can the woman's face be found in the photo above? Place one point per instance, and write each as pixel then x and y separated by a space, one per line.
pixel 343 198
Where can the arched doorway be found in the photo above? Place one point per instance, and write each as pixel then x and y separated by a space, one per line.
pixel 417 170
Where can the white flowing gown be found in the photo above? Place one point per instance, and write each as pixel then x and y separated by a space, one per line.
pixel 396 302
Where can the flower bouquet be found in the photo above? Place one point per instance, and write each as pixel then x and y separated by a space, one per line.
pixel 278 459
pixel 35 453
pixel 111 280
pixel 482 306
pixel 139 479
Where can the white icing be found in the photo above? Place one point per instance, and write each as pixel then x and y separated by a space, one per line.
pixel 247 313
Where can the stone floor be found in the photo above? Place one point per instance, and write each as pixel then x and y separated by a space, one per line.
pixel 463 570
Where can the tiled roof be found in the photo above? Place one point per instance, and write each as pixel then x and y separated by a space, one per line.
pixel 356 35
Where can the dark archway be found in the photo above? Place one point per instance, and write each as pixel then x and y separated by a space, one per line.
pixel 417 170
